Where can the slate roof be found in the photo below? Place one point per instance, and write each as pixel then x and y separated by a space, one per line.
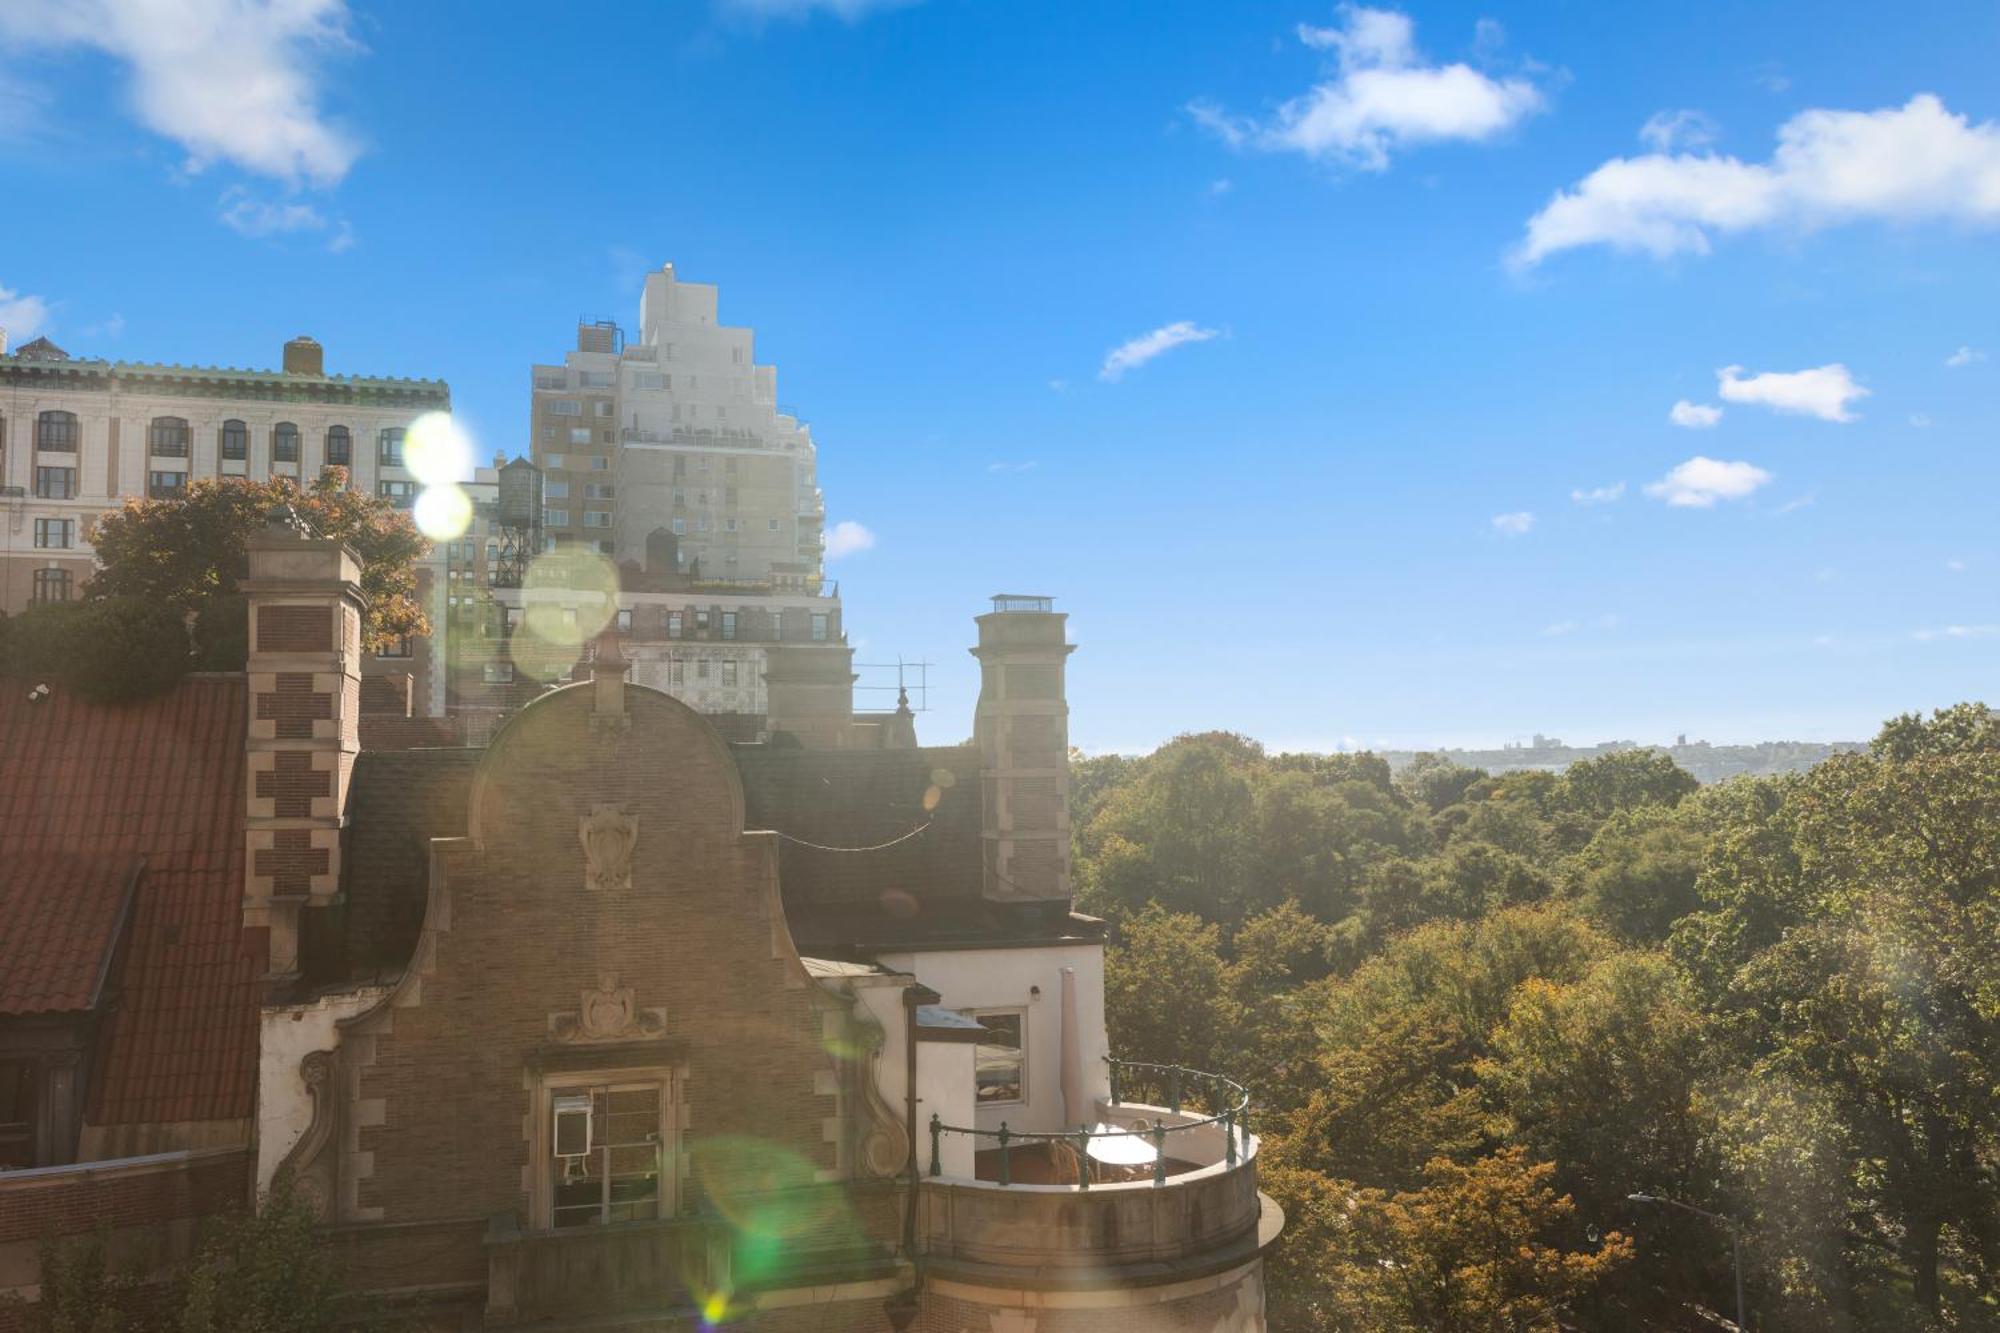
pixel 399 801
pixel 86 790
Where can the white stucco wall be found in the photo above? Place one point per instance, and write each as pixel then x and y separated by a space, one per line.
pixel 1009 979
pixel 289 1033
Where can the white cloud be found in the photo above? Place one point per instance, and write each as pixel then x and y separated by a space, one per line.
pixel 248 216
pixel 1823 391
pixel 110 328
pixel 1011 468
pixel 1959 632
pixel 1059 385
pixel 1664 131
pixel 1796 503
pixel 1220 186
pixel 848 538
pixel 21 315
pixel 1514 525
pixel 1378 97
pixel 1560 629
pixel 1964 356
pixel 1694 416
pixel 1700 482
pixel 1599 495
pixel 1920 420
pixel 229 80
pixel 1913 163
pixel 847 10
pixel 1138 351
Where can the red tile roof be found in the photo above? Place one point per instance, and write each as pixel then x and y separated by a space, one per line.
pixel 59 917
pixel 84 785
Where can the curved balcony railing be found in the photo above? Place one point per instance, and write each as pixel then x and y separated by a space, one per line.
pixel 1224 1106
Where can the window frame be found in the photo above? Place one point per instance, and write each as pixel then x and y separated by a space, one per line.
pixel 236 432
pixel 161 441
pixel 66 436
pixel 52 577
pixel 287 430
pixel 671 1160
pixel 343 455
pixel 1020 1014
pixel 45 526
pixel 389 446
pixel 46 492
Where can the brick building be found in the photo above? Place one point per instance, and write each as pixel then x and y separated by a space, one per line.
pixel 617 1022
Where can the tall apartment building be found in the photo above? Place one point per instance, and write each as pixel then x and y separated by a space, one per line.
pixel 79 436
pixel 678 433
pixel 669 456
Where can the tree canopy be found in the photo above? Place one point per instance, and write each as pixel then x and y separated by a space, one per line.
pixel 1478 1013
pixel 190 552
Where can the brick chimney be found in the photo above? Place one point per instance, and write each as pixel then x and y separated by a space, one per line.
pixel 1022 731
pixel 304 356
pixel 306 607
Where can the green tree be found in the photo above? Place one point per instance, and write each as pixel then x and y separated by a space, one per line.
pixel 1163 990
pixel 1637 876
pixel 190 552
pixel 111 650
pixel 1487 1247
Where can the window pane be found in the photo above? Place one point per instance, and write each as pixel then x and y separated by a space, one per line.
pixel 997 1060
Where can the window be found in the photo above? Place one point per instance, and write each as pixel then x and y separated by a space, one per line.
pixel 594 379
pixel 648 379
pixel 600 464
pixel 555 490
pixel 729 672
pixel 169 437
pixel 777 626
pixel 566 407
pixel 819 627
pixel 701 669
pixel 555 518
pixel 402 493
pixel 55 534
pixel 680 527
pixel 679 672
pixel 166 485
pixel 498 673
pixel 403 647
pixel 599 490
pixel 579 435
pixel 389 450
pixel 56 432
pixel 728 624
pixel 51 585
pixel 772 523
pixel 701 619
pixel 339 447
pixel 235 441
pixel 55 483
pixel 596 518
pixel 601 408
pixel 19 1100
pixel 552 461
pixel 729 525
pixel 625 621
pixel 284 443
pixel 998 1067
pixel 673 624
pixel 680 497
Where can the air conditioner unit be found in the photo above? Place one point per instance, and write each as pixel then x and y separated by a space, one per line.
pixel 572 1125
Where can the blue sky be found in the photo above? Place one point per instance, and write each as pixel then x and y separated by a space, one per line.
pixel 1397 287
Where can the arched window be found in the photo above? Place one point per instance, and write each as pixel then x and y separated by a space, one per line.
pixel 284 443
pixel 235 440
pixel 56 432
pixel 169 437
pixel 339 447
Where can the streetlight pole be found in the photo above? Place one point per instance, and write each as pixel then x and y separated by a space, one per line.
pixel 1735 1243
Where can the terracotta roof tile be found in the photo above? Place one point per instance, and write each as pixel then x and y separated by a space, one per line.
pixel 89 784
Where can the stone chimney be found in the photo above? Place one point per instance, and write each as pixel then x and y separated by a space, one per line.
pixel 303 356
pixel 306 608
pixel 1022 731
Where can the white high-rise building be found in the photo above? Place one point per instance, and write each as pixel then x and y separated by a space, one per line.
pixel 678 434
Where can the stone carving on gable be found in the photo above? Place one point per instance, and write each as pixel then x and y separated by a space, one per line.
pixel 608 835
pixel 885 1143
pixel 609 1013
pixel 311 1163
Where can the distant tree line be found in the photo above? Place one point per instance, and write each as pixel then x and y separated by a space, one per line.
pixel 1479 1012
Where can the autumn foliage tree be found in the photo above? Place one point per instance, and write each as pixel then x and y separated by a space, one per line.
pixel 191 552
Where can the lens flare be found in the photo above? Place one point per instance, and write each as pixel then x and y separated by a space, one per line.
pixel 436 451
pixel 443 512
pixel 569 596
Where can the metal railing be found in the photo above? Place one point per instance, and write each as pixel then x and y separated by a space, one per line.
pixel 1177 1084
